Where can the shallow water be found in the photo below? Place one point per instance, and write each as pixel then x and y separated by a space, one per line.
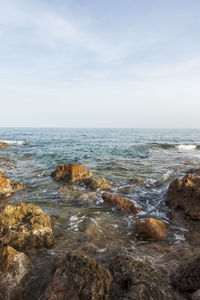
pixel 157 156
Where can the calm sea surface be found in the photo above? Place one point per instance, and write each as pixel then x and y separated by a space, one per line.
pixel 119 155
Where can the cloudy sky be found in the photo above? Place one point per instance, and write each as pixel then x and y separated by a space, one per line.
pixel 108 63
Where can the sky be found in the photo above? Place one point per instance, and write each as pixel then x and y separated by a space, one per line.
pixel 108 63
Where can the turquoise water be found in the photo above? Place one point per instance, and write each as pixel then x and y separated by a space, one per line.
pixel 157 156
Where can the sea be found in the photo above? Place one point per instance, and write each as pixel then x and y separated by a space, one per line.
pixel 158 156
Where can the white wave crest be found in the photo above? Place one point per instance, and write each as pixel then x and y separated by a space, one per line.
pixel 186 147
pixel 13 142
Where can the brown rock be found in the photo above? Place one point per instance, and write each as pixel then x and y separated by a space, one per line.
pixel 7 186
pixel 136 181
pixel 185 194
pixel 151 229
pixel 15 271
pixel 25 226
pixel 79 277
pixel 98 183
pixel 3 145
pixel 187 276
pixel 71 173
pixel 120 202
pixel 138 278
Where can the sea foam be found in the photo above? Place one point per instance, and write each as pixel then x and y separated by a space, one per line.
pixel 186 147
pixel 13 142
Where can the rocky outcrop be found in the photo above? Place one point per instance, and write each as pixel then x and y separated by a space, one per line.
pixel 185 194
pixel 15 271
pixel 3 145
pixel 187 276
pixel 98 183
pixel 79 277
pixel 71 173
pixel 123 203
pixel 7 186
pixel 25 226
pixel 151 229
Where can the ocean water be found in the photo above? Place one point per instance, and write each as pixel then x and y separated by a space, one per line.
pixel 119 155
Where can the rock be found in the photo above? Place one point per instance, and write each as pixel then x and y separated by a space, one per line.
pixel 185 194
pixel 74 193
pixel 120 202
pixel 187 276
pixel 79 277
pixel 196 295
pixel 151 229
pixel 98 183
pixel 15 271
pixel 136 181
pixel 71 173
pixel 3 145
pixel 138 278
pixel 7 186
pixel 25 226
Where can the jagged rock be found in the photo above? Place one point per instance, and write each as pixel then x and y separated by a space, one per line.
pixel 3 145
pixel 25 226
pixel 15 271
pixel 151 229
pixel 79 277
pixel 187 276
pixel 120 202
pixel 71 173
pixel 7 186
pixel 98 183
pixel 185 194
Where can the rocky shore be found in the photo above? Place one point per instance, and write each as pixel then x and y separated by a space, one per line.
pixel 156 268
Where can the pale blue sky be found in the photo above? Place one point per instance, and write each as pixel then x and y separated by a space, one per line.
pixel 108 63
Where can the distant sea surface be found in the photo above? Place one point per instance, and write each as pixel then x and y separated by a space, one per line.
pixel 119 155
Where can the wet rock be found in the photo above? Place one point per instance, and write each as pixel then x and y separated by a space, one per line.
pixel 15 271
pixel 78 277
pixel 136 181
pixel 196 295
pixel 3 145
pixel 73 193
pixel 25 226
pixel 120 202
pixel 185 194
pixel 7 186
pixel 98 183
pixel 71 173
pixel 187 276
pixel 151 229
pixel 139 278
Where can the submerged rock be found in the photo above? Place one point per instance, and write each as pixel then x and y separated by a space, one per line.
pixel 120 202
pixel 79 277
pixel 187 276
pixel 71 173
pixel 185 194
pixel 150 228
pixel 98 183
pixel 7 186
pixel 3 145
pixel 136 181
pixel 15 271
pixel 25 226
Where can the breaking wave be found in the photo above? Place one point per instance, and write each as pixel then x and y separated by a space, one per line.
pixel 13 142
